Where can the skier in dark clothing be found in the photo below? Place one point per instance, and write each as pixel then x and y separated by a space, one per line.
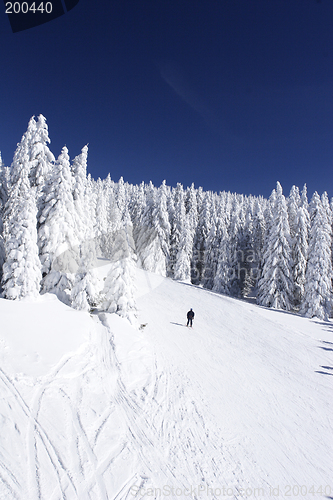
pixel 190 316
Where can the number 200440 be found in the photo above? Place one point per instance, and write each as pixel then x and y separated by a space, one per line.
pixel 303 491
pixel 24 7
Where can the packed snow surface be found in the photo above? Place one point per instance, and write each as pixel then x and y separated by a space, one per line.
pixel 91 408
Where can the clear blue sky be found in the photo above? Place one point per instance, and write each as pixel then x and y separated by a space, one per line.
pixel 228 94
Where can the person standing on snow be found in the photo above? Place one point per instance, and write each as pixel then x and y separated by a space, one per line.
pixel 190 316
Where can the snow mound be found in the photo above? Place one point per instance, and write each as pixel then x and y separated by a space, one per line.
pixel 36 334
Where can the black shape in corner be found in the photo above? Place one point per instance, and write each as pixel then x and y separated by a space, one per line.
pixel 70 4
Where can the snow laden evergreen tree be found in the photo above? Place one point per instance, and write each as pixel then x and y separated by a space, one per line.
pixel 118 218
pixel 122 196
pixel 331 205
pixel 84 294
pixel 201 235
pixel 41 159
pixel 293 203
pixel 115 222
pixel 275 287
pixel 211 247
pixel 191 205
pixel 119 290
pixel 101 220
pixel 137 207
pixel 235 252
pixel 298 222
pixel 227 208
pixel 268 217
pixel 226 236
pixel 145 235
pixel 317 300
pixel 213 251
pixel 300 253
pixel 259 230
pixel 305 205
pixel 4 184
pixel 210 256
pixel 153 236
pixel 23 153
pixel 121 200
pixel 198 246
pixel 8 179
pixel 91 198
pixel 161 224
pixel 79 173
pixel 241 255
pixel 326 204
pixel 188 231
pixel 57 235
pixel 182 270
pixel 84 222
pixel 85 290
pixel 21 270
pixel 327 207
pixel 119 287
pixel 38 157
pixel 176 217
pixel 4 187
pixel 248 269
pixel 200 198
pixel 115 213
pixel 173 234
pixel 222 275
pixel 182 238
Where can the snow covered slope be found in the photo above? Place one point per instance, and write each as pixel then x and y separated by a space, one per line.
pixel 240 406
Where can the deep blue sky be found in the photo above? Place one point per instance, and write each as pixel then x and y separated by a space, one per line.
pixel 228 94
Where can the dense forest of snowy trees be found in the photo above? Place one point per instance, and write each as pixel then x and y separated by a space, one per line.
pixel 55 220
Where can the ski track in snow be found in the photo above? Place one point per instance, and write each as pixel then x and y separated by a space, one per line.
pixel 118 420
pixel 163 432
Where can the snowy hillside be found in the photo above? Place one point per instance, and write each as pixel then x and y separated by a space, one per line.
pixel 93 409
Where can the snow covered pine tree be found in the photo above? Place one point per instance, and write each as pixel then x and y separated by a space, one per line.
pixel 21 270
pixel 275 287
pixel 317 300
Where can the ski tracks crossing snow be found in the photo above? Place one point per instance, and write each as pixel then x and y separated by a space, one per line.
pixel 63 451
pixel 85 435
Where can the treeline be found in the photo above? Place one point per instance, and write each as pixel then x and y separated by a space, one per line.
pixel 55 221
